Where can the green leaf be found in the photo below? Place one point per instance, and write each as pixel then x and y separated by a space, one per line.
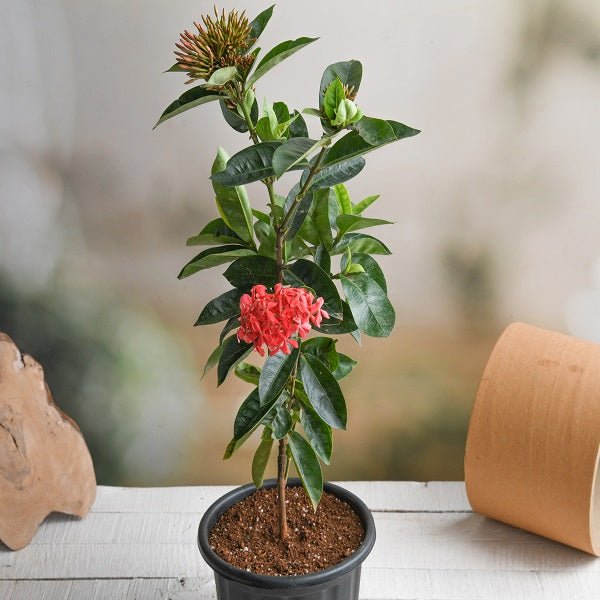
pixel 339 172
pixel 194 97
pixel 353 144
pixel 223 307
pixel 292 154
pixel 261 216
pixel 313 112
pixel 348 72
pixel 323 259
pixel 324 204
pixel 300 212
pixel 318 433
pixel 233 352
pixel 308 467
pixel 210 239
pixel 250 270
pixel 213 257
pixel 232 202
pixel 234 445
pixel 266 236
pixel 249 415
pixel 306 273
pixel 333 325
pixel 275 374
pixel 221 76
pixel 345 366
pixel 258 24
pixel 175 69
pixel 360 243
pixel 260 461
pixel 232 324
pixel 234 120
pixel 281 423
pixel 343 198
pixel 212 360
pixel 352 269
pixel 334 94
pixel 298 126
pixel 248 373
pixel 369 264
pixel 276 55
pixel 248 165
pixel 370 306
pixel 348 223
pixel 364 204
pixel 322 348
pixel 323 391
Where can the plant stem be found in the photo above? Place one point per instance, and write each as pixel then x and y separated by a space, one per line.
pixel 281 483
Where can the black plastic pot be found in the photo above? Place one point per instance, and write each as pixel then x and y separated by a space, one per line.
pixel 340 582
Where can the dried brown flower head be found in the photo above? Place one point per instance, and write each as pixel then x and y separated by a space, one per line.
pixel 222 42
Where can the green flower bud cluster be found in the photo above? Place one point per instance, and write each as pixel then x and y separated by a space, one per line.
pixel 346 113
pixel 339 109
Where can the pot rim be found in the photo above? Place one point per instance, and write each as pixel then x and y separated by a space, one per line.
pixel 217 508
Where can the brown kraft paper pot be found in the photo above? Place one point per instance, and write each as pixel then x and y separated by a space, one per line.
pixel 532 455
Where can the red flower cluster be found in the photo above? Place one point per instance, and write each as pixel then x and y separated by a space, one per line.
pixel 272 319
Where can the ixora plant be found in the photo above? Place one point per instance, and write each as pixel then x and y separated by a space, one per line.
pixel 285 280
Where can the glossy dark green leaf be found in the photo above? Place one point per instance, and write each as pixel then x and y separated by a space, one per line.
pixel 234 120
pixel 323 259
pixel 353 145
pixel 322 348
pixel 233 202
pixel 331 175
pixel 360 243
pixel 233 352
pixel 281 422
pixel 369 264
pixel 258 24
pixel 213 233
pixel 212 257
pixel 308 467
pixel 370 306
pixel 361 206
pixel 232 324
pixel 292 154
pixel 250 414
pixel 261 216
pixel 250 270
pixel 275 375
pixel 349 73
pixel 223 307
pixel 276 55
pixel 306 273
pixel 323 391
pixel 234 444
pixel 301 210
pixel 248 165
pixel 248 373
pixel 298 128
pixel 318 433
pixel 260 461
pixel 348 223
pixel 345 366
pixel 194 97
pixel 334 326
pixel 212 360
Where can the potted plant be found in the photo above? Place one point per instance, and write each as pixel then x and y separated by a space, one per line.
pixel 300 265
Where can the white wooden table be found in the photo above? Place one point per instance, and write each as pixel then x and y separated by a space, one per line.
pixel 141 543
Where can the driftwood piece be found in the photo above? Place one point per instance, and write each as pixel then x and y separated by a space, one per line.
pixel 45 465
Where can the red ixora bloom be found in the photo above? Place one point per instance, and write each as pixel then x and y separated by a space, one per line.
pixel 272 319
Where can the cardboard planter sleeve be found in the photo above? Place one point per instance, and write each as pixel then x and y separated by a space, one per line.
pixel 532 454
